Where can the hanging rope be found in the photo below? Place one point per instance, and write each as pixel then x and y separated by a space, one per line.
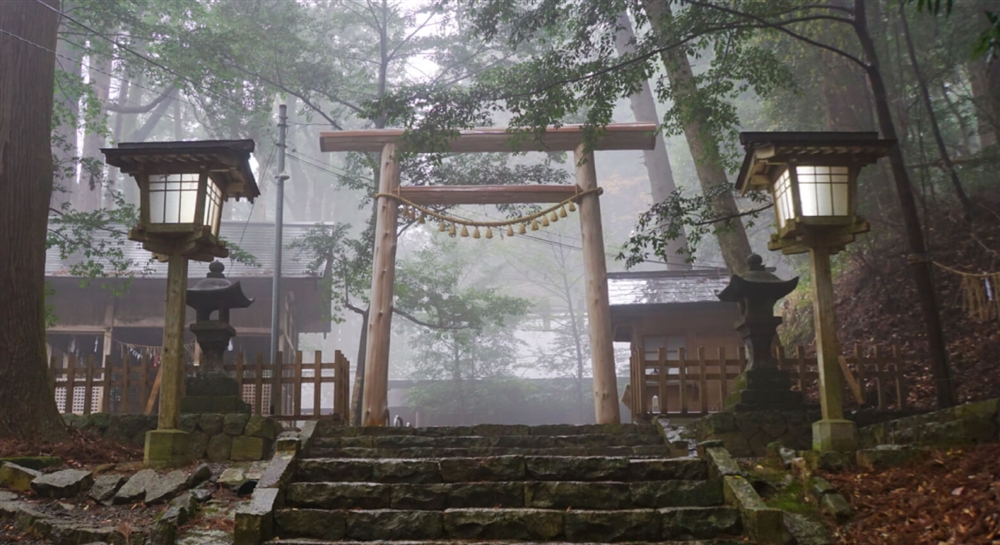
pixel 979 293
pixel 447 223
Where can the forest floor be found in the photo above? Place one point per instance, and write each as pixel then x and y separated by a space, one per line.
pixel 877 304
pixel 953 497
pixel 98 454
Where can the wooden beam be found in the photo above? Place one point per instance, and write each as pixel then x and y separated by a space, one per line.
pixel 595 273
pixel 488 194
pixel 172 362
pixel 619 136
pixel 375 401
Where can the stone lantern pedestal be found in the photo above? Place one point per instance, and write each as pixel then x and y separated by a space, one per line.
pixel 213 390
pixel 762 386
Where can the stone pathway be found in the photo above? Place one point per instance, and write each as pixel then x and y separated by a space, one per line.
pixel 598 483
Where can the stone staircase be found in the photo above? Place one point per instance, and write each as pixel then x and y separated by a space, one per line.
pixel 506 484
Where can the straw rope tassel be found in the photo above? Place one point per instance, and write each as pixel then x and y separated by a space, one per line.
pixel 510 230
pixel 489 233
pixel 562 211
pixel 465 231
pixel 475 233
pixel 572 207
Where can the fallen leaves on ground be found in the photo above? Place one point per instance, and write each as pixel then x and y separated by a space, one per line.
pixel 79 449
pixel 951 498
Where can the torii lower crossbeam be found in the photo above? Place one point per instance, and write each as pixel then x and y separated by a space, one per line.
pixel 615 137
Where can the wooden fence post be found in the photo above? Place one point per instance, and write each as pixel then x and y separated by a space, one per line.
pixel 297 381
pixel 702 380
pixel 318 382
pixel 240 371
pixel 900 379
pixel 106 385
pixel 70 384
pixel 258 391
pixel 276 372
pixel 860 360
pixel 88 386
pixel 661 360
pixel 800 356
pixel 682 378
pixel 723 377
pixel 880 376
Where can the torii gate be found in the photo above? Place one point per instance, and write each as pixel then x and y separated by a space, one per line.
pixel 629 136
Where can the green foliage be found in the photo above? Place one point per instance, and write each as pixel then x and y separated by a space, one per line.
pixel 334 260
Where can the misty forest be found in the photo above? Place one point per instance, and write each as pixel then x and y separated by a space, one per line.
pixel 758 241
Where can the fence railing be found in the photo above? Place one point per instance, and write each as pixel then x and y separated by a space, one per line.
pixel 279 391
pixel 697 383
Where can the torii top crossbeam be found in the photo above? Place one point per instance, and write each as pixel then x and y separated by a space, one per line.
pixel 628 136
pixel 620 136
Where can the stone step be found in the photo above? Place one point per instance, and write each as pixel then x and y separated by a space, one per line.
pixel 310 541
pixel 490 430
pixel 577 526
pixel 506 494
pixel 498 468
pixel 435 452
pixel 487 441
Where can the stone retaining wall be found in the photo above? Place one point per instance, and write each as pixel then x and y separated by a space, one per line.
pixel 747 434
pixel 973 423
pixel 213 436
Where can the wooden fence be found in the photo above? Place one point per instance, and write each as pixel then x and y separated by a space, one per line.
pixel 696 384
pixel 272 390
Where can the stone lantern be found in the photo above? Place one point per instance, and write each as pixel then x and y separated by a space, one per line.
pixel 213 390
pixel 762 386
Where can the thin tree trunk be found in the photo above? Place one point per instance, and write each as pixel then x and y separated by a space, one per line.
pixel 704 145
pixel 143 132
pixel 921 263
pixel 932 117
pixel 661 177
pixel 359 371
pixel 27 72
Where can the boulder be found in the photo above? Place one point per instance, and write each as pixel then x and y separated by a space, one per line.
pixel 211 423
pixel 7 496
pixel 105 487
pixel 232 477
pixel 836 506
pixel 166 487
pixel 135 488
pixel 17 477
pixel 201 474
pixel 197 444
pixel 234 423
pixel 219 447
pixel 263 427
pixel 63 484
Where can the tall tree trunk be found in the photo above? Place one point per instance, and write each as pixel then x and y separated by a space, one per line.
pixel 984 78
pixel 91 187
pixel 704 145
pixel 661 177
pixel 359 371
pixel 67 112
pixel 925 94
pixel 27 72
pixel 921 263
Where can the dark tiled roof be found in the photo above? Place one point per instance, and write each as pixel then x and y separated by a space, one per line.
pixel 255 238
pixel 649 288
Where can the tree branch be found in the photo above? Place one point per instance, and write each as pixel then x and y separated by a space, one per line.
pixel 145 108
pixel 420 322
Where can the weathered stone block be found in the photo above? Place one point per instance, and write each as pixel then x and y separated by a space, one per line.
pixel 658 494
pixel 219 448
pixel 135 488
pixel 37 463
pixel 388 525
pixel 494 468
pixel 234 423
pixel 762 523
pixel 406 471
pixel 427 497
pixel 211 423
pixel 339 495
pixel 255 520
pixel 609 526
pixel 246 448
pixel 105 486
pixel 577 495
pixel 836 506
pixel 17 477
pixel 699 522
pixel 330 470
pixel 63 484
pixel 260 426
pixel 884 456
pixel 166 487
pixel 667 469
pixel 503 524
pixel 721 463
pixel 590 468
pixel 165 448
pixel 197 444
pixel 314 523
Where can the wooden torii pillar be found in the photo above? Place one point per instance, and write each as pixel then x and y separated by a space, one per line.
pixel 631 136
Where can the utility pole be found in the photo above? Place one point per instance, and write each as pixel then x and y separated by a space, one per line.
pixel 279 205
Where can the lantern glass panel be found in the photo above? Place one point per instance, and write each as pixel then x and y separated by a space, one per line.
pixel 823 190
pixel 783 199
pixel 213 206
pixel 173 198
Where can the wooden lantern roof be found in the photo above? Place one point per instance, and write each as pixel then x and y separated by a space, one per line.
pixel 227 161
pixel 765 150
